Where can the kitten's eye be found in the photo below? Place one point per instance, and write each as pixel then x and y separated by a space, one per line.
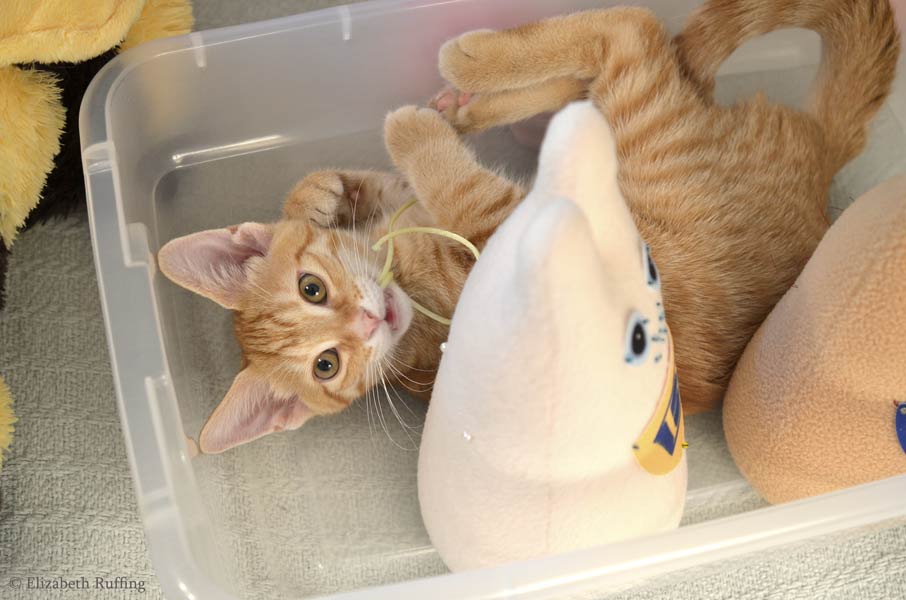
pixel 327 364
pixel 636 346
pixel 312 288
pixel 654 278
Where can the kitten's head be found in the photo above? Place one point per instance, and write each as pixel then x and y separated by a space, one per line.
pixel 311 319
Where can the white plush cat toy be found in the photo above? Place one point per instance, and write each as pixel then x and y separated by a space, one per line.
pixel 555 422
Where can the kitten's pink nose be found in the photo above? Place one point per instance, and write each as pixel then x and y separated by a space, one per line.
pixel 368 324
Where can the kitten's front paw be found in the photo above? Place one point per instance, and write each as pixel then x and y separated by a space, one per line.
pixel 469 61
pixel 410 128
pixel 323 197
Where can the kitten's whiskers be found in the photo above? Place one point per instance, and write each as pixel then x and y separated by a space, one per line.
pixel 400 376
pixel 393 356
pixel 406 426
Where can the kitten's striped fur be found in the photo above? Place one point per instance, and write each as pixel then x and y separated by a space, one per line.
pixel 731 199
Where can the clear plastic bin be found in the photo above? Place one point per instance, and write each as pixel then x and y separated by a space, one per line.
pixel 213 128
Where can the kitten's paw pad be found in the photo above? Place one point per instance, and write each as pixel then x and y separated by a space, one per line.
pixel 409 128
pixel 472 60
pixel 453 105
pixel 449 98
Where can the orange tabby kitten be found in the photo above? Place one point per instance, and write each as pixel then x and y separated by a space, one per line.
pixel 731 199
pixel 316 329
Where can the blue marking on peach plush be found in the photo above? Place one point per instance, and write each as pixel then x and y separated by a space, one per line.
pixel 901 424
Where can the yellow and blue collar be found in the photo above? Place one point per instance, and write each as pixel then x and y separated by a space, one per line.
pixel 659 448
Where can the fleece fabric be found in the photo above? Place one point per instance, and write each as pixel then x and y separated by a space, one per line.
pixel 812 405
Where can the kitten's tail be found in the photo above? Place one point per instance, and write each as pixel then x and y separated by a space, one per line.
pixel 860 49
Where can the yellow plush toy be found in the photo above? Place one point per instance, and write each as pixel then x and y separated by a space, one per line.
pixel 49 52
pixel 7 419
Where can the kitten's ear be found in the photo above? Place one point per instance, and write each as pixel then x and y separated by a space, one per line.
pixel 249 411
pixel 213 263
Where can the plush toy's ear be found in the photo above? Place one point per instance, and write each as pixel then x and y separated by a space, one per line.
pixel 579 161
pixel 557 258
pixel 249 411
pixel 213 263
pixel 553 244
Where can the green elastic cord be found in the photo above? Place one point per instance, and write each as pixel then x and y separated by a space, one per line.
pixel 386 275
pixel 430 313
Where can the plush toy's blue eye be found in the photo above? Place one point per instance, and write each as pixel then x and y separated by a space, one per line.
pixel 637 342
pixel 654 278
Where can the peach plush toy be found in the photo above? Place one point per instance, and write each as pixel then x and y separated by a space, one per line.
pixel 555 422
pixel 818 399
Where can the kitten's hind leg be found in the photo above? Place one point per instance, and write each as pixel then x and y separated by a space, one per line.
pixel 579 46
pixel 344 198
pixel 470 113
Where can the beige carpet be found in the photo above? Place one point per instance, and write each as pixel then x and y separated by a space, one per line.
pixel 66 502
